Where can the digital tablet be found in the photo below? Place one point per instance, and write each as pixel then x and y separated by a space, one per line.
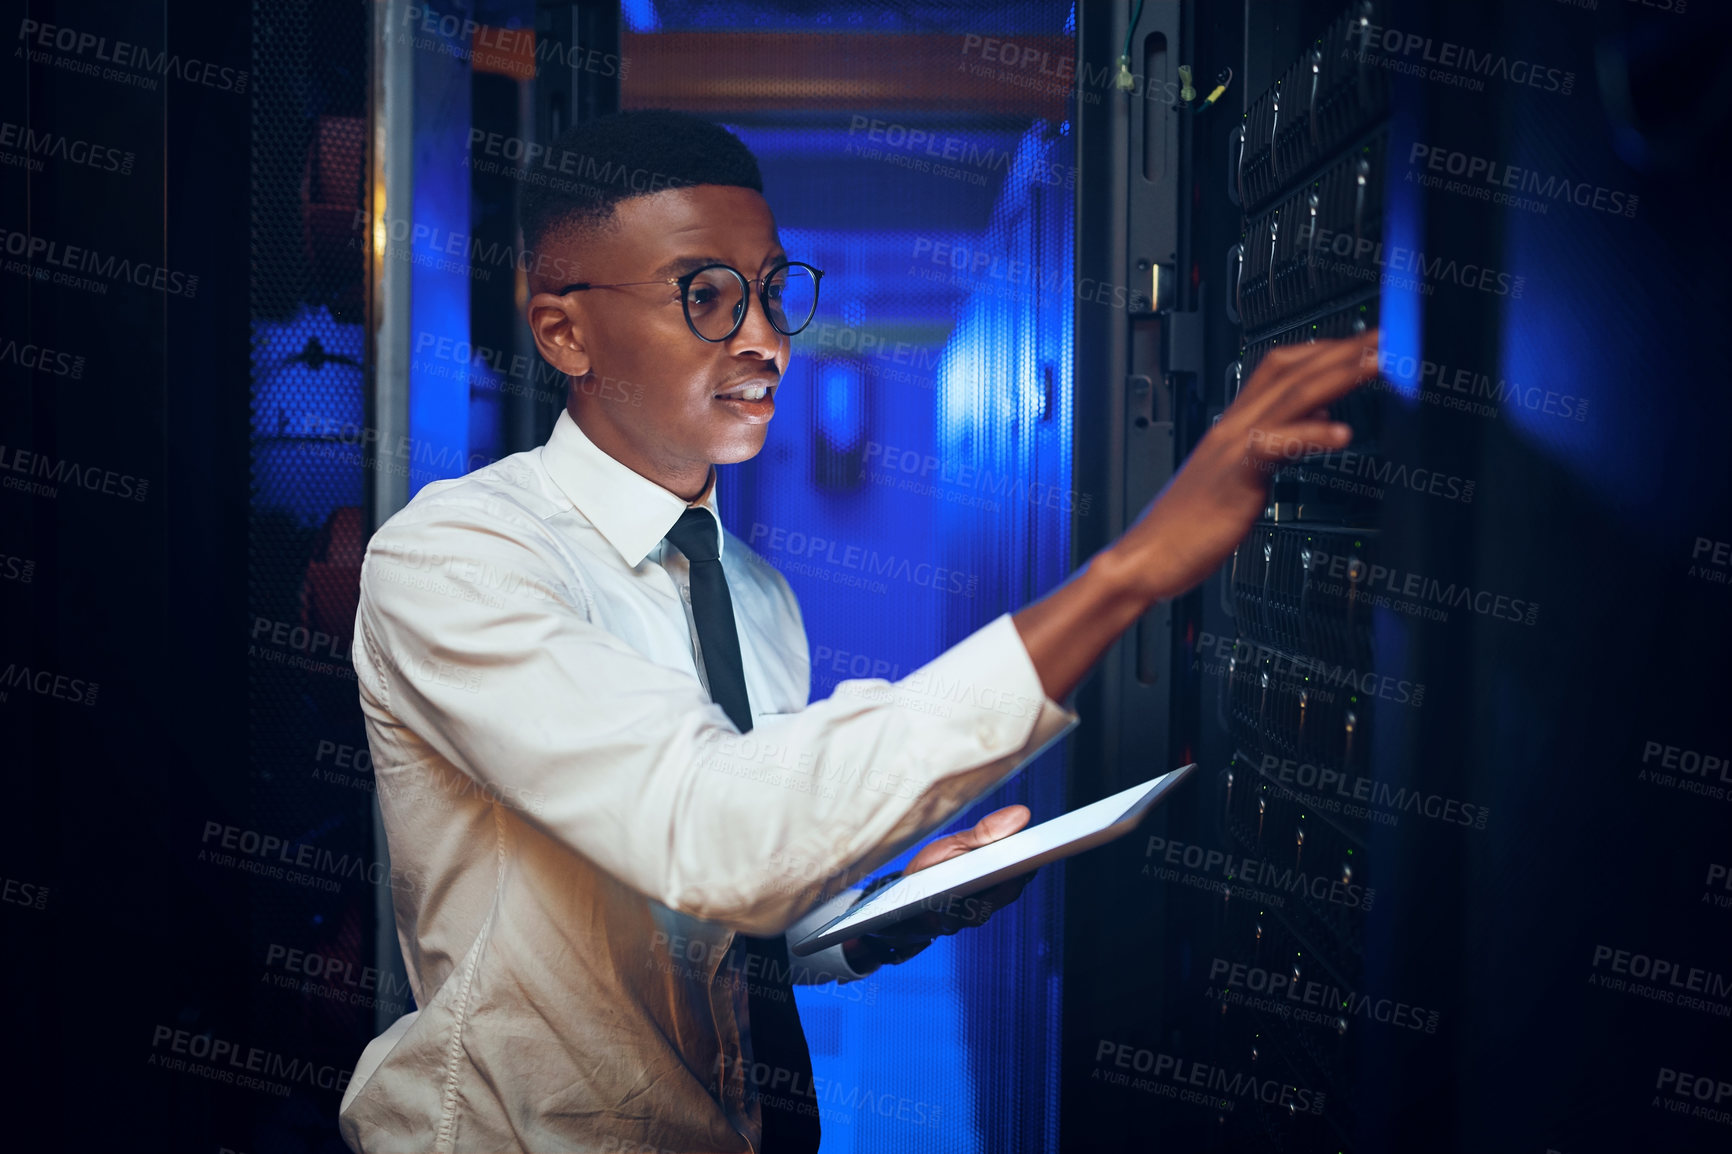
pixel 932 888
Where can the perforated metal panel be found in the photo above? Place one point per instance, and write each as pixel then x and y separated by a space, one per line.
pixel 310 777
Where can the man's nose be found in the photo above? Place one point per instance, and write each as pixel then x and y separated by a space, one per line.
pixel 756 334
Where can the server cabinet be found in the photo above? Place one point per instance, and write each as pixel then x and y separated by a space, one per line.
pixel 1431 694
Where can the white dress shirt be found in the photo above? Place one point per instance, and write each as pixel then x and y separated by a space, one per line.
pixel 581 831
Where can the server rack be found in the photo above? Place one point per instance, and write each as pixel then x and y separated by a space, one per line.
pixel 1386 916
pixel 1308 177
pixel 1265 219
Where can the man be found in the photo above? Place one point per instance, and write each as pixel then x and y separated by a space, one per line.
pixel 587 706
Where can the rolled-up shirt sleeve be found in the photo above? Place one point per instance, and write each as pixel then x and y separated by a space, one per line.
pixel 497 665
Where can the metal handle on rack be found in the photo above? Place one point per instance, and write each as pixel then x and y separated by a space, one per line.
pixel 1235 276
pixel 1236 178
pixel 1311 112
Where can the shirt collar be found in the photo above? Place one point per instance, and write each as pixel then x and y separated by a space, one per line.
pixel 630 510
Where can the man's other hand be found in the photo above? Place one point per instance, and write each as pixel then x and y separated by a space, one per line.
pixel 998 824
pixel 901 940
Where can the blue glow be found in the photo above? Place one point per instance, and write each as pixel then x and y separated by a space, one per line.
pixel 1556 360
pixel 1581 375
pixel 308 412
pixel 943 335
pixel 1399 308
pixel 439 282
pixel 842 405
pixel 640 16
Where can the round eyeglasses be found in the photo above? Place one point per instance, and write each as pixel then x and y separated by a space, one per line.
pixel 714 297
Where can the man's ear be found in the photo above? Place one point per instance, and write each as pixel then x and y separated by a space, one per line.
pixel 557 324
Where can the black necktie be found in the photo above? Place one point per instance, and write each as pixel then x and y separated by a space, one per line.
pixel 781 1066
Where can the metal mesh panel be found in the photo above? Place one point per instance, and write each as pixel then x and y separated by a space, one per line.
pixel 308 771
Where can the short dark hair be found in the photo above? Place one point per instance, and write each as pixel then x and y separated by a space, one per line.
pixel 591 167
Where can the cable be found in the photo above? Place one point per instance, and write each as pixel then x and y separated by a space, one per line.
pixel 1221 83
pixel 1126 82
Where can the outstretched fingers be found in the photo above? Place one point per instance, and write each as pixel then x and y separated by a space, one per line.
pixel 1290 384
pixel 1294 441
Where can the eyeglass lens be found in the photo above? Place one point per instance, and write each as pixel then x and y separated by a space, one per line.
pixel 715 300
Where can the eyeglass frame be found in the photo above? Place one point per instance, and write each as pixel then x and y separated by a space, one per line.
pixel 685 283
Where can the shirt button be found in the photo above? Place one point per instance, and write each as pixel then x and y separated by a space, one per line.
pixel 987 733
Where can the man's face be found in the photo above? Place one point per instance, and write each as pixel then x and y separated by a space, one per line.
pixel 651 398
